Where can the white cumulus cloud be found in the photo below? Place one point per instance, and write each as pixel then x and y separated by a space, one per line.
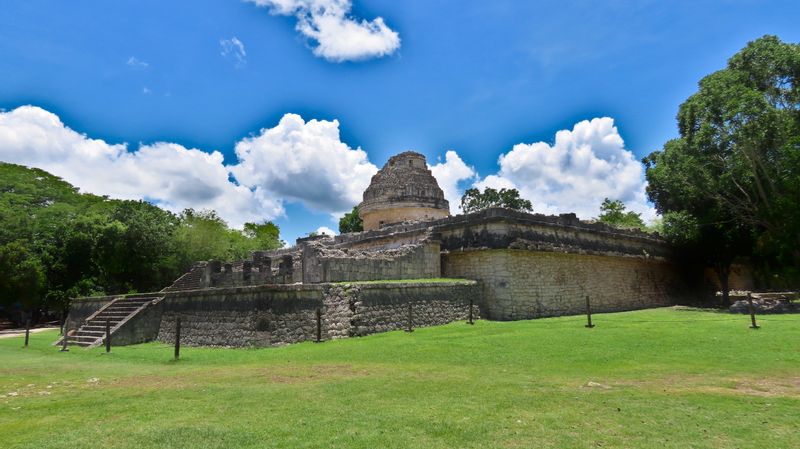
pixel 450 174
pixel 233 48
pixel 338 35
pixel 294 161
pixel 326 230
pixel 306 162
pixel 575 173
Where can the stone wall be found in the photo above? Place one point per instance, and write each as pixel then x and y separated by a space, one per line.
pixel 82 308
pixel 524 284
pixel 243 316
pixel 385 307
pixel 322 264
pixel 282 314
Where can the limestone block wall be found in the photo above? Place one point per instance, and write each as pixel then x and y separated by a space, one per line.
pixel 82 308
pixel 410 262
pixel 243 316
pixel 281 314
pixel 524 284
pixel 374 219
pixel 385 307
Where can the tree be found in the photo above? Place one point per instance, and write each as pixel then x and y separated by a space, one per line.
pixel 21 277
pixel 736 166
pixel 264 236
pixel 351 222
pixel 474 200
pixel 613 213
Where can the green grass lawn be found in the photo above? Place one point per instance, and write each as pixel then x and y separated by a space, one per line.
pixel 664 378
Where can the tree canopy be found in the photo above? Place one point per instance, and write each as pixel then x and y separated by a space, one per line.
pixel 474 200
pixel 613 213
pixel 351 222
pixel 735 169
pixel 57 243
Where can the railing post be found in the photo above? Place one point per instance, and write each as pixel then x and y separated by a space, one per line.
pixel 588 313
pixel 410 327
pixel 177 338
pixel 319 325
pixel 64 339
pixel 27 331
pixel 108 335
pixel 752 310
pixel 470 311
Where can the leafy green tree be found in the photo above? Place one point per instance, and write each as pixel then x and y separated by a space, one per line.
pixel 613 213
pixel 264 236
pixel 735 168
pixel 351 222
pixel 21 276
pixel 474 200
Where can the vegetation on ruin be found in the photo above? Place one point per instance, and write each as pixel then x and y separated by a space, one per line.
pixel 729 185
pixel 473 200
pixel 613 213
pixel 351 222
pixel 665 378
pixel 57 243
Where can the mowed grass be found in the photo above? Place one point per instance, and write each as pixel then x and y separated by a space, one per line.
pixel 664 378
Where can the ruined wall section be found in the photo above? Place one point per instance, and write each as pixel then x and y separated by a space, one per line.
pixel 522 284
pixel 276 315
pixel 326 264
pixel 383 308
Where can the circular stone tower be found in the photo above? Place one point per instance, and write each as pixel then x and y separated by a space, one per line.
pixel 404 189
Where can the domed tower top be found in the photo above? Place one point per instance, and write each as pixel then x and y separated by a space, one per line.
pixel 404 189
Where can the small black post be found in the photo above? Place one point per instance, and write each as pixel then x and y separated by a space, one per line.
pixel 177 338
pixel 470 312
pixel 588 313
pixel 64 339
pixel 410 327
pixel 108 335
pixel 319 326
pixel 752 311
pixel 27 331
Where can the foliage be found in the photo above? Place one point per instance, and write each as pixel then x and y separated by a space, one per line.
pixel 351 222
pixel 21 275
pixel 736 166
pixel 474 200
pixel 613 213
pixel 56 243
pixel 523 384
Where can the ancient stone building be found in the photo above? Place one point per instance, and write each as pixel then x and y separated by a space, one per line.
pixel 501 265
pixel 403 190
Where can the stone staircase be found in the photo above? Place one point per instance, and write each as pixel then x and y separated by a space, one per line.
pixel 117 312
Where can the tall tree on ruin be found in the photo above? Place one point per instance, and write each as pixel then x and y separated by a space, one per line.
pixel 474 200
pixel 735 169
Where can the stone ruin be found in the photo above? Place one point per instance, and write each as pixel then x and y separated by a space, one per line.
pixel 512 265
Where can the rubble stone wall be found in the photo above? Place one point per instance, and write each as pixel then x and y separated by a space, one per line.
pixel 524 284
pixel 277 315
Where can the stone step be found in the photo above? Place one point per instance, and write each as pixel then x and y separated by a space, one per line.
pixel 102 323
pixel 81 338
pixel 88 333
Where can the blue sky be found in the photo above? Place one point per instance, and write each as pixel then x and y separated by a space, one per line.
pixel 474 77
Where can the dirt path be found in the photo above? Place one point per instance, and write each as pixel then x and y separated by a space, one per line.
pixel 21 332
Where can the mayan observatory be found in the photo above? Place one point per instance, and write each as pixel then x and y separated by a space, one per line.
pixel 496 264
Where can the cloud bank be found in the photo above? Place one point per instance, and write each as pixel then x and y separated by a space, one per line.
pixel 575 173
pixel 450 175
pixel 306 162
pixel 294 161
pixel 338 35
